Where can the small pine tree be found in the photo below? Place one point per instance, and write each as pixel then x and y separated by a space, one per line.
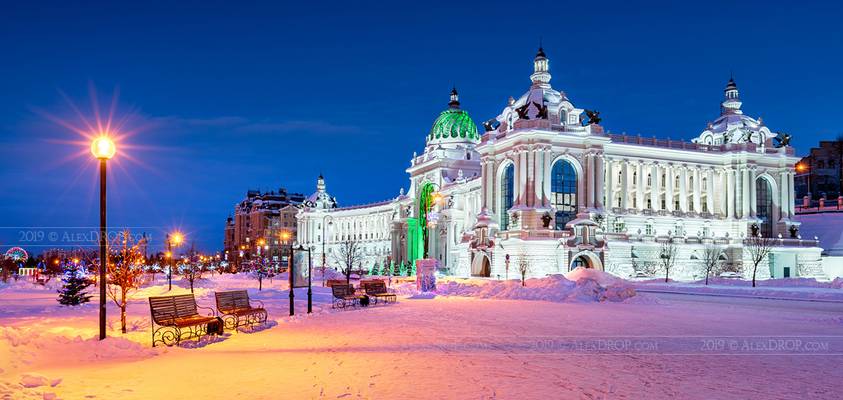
pixel 74 283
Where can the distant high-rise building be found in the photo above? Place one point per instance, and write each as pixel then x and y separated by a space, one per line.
pixel 819 173
pixel 263 226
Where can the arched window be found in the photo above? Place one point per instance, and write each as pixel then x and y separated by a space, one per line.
pixel 507 194
pixel 764 206
pixel 563 192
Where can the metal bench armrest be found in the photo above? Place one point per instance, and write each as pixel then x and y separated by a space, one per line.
pixel 213 313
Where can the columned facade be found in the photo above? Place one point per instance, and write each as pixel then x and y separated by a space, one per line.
pixel 549 184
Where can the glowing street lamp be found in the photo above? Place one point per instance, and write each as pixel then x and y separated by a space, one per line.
pixel 103 149
pixel 173 239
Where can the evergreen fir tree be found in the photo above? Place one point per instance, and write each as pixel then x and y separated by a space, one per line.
pixel 74 283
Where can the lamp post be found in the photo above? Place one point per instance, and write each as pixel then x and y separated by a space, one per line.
pixel 325 222
pixel 285 237
pixel 176 239
pixel 103 149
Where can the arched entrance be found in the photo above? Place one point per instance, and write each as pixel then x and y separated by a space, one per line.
pixel 580 262
pixel 585 259
pixel 481 266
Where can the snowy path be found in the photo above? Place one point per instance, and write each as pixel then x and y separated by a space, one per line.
pixel 451 347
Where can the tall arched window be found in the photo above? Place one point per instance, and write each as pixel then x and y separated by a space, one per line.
pixel 563 192
pixel 764 206
pixel 507 194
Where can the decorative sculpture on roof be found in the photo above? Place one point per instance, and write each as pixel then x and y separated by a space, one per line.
pixel 542 110
pixel 491 125
pixel 522 111
pixel 782 140
pixel 593 116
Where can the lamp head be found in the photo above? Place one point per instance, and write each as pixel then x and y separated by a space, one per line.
pixel 103 148
pixel 176 238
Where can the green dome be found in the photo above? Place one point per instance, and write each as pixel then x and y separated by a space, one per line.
pixel 454 123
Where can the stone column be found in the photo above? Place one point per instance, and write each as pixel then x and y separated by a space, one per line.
pixel 709 190
pixel 697 195
pixel 785 209
pixel 522 177
pixel 591 181
pixel 669 190
pixel 624 185
pixel 655 187
pixel 516 174
pixel 722 192
pixel 730 194
pixel 484 173
pixel 491 203
pixel 639 186
pixel 683 188
pixel 753 202
pixel 539 175
pixel 791 201
pixel 745 193
pixel 600 184
pixel 532 176
pixel 610 184
pixel 548 160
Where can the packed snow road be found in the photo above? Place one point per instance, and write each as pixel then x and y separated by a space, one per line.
pixel 831 308
pixel 649 347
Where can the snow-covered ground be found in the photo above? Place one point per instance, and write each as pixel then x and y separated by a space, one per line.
pixel 587 336
pixel 783 288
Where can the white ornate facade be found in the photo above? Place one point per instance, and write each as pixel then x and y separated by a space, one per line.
pixel 543 186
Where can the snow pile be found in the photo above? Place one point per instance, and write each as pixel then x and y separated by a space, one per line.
pixel 587 287
pixel 603 278
pixel 59 345
pixel 29 284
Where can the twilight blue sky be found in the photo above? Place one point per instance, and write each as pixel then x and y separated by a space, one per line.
pixel 220 98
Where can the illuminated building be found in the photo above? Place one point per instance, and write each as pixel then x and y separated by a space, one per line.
pixel 546 182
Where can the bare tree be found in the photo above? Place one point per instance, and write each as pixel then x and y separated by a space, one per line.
pixel 667 257
pixel 759 248
pixel 710 258
pixel 348 254
pixel 7 268
pixel 125 271
pixel 523 267
pixel 261 270
pixel 191 269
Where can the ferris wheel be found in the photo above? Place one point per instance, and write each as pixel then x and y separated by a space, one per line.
pixel 17 254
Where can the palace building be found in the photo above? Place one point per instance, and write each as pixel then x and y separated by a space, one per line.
pixel 545 186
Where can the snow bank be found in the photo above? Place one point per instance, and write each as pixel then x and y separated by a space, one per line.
pixel 603 278
pixel 586 287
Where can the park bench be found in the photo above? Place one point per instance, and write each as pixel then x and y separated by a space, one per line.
pixel 236 310
pixel 344 296
pixel 376 289
pixel 175 318
pixel 332 282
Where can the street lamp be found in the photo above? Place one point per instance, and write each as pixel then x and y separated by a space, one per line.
pixel 173 239
pixel 285 237
pixel 103 149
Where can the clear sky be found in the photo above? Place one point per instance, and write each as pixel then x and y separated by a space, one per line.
pixel 220 98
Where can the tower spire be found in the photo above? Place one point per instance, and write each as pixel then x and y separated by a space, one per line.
pixel 455 98
pixel 541 69
pixel 732 100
